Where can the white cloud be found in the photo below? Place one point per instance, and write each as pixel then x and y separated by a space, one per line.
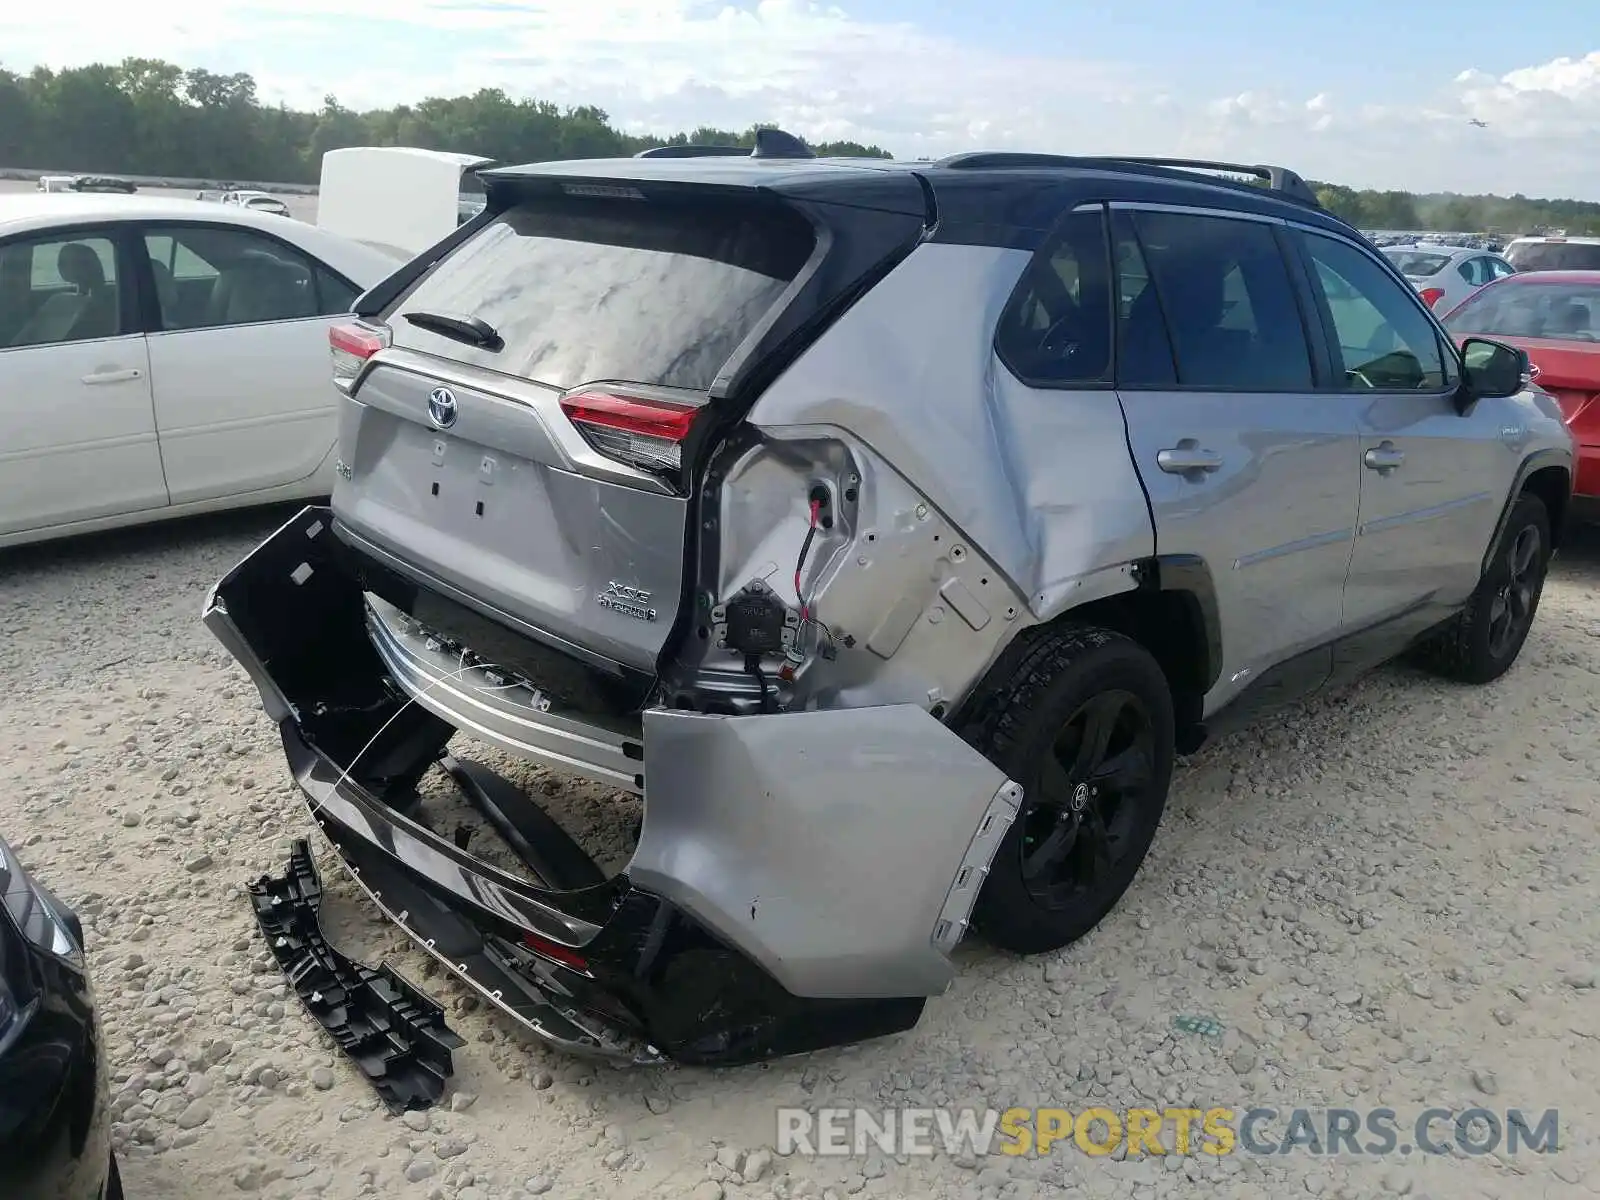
pixel 666 65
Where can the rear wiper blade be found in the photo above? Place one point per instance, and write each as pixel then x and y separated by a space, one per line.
pixel 474 331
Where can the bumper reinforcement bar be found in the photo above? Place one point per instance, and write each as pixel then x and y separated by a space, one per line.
pixel 395 1034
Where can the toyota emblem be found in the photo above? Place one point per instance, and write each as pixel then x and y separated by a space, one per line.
pixel 442 407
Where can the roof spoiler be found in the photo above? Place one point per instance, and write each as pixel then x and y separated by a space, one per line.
pixel 1278 179
pixel 770 143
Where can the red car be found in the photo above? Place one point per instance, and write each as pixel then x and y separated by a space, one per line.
pixel 1554 316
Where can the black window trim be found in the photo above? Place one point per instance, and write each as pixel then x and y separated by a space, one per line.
pixel 125 250
pixel 1444 342
pixel 1307 327
pixel 1041 256
pixel 149 306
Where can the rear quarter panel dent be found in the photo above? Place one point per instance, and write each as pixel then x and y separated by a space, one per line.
pixel 1040 481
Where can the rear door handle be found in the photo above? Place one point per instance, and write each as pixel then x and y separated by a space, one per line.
pixel 112 376
pixel 1187 458
pixel 1383 459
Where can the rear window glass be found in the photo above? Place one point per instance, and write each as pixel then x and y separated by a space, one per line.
pixel 1417 264
pixel 1564 311
pixel 638 291
pixel 1555 256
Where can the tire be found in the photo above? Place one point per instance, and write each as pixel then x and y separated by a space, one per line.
pixel 1076 844
pixel 1479 644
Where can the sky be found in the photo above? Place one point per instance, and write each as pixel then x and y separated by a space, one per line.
pixel 1370 93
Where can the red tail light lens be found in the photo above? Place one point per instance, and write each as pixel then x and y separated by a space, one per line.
pixel 1431 296
pixel 642 432
pixel 351 344
pixel 545 948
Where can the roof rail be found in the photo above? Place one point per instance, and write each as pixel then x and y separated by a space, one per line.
pixel 1277 179
pixel 770 143
pixel 693 152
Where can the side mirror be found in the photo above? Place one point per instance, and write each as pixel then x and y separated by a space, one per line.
pixel 1492 370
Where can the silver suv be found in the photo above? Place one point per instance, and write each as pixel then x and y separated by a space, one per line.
pixel 887 527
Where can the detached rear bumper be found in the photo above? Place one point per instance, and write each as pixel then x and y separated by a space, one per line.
pixel 799 881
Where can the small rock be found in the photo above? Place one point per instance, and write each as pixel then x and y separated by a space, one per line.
pixel 615 1159
pixel 755 1165
pixel 1395 1183
pixel 542 1080
pixel 322 1079
pixel 538 1185
pixel 198 862
pixel 1243 1061
pixel 196 1115
pixel 706 1189
pixel 462 1101
pixel 1582 980
pixel 730 1158
pixel 1316 1184
pixel 130 819
pixel 416 1119
pixel 419 1169
pixel 451 1147
pixel 133 962
pixel 657 1104
pixel 1485 1081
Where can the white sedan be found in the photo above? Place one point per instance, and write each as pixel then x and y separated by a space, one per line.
pixel 162 357
pixel 1444 276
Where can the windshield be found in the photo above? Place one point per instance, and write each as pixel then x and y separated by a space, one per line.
pixel 1555 256
pixel 1418 264
pixel 1563 311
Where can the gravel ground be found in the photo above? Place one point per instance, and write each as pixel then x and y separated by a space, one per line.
pixel 1388 897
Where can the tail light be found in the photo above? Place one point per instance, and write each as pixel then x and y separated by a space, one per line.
pixel 352 343
pixel 555 952
pixel 643 432
pixel 1431 296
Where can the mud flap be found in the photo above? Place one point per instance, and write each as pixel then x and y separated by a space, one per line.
pixel 395 1034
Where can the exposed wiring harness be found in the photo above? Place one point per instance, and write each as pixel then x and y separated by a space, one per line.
pixel 799 566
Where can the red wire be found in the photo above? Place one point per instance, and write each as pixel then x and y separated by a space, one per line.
pixel 805 614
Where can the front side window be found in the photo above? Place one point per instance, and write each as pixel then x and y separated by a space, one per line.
pixel 208 276
pixel 1229 305
pixel 1382 339
pixel 59 289
pixel 1057 328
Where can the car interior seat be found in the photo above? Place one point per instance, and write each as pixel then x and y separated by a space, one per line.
pixel 88 311
pixel 260 287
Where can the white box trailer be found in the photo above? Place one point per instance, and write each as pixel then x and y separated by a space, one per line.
pixel 397 198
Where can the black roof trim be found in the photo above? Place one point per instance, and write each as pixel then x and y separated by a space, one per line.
pixel 1278 179
pixel 770 143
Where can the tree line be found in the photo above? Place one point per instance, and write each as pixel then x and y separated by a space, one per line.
pixel 149 117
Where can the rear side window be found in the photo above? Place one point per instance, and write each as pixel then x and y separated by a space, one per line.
pixel 646 292
pixel 1228 301
pixel 1057 328
pixel 1554 256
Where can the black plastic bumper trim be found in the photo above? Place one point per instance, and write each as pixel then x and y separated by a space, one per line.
pixel 395 1034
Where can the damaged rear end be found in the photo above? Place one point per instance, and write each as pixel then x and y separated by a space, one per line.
pixel 556 533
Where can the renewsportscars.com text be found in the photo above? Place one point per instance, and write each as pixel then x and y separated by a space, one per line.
pixel 1101 1132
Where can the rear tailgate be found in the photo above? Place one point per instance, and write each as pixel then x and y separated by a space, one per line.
pixel 535 475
